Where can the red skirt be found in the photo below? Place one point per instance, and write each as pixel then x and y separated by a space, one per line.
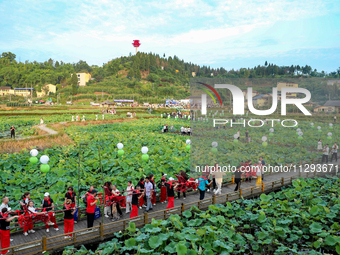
pixel 163 194
pixel 5 240
pixel 153 200
pixel 170 202
pixel 134 211
pixel 141 201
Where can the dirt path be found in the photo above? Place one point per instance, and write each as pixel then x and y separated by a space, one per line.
pixel 48 130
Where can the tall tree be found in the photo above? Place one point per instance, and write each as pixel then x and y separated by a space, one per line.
pixel 74 83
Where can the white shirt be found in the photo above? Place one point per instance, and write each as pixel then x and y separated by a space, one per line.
pixel 4 206
pixel 182 129
pixel 326 151
pixel 31 209
pixel 335 148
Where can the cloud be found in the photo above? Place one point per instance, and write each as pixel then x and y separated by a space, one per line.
pixel 204 32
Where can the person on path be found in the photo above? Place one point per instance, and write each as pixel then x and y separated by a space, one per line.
pixel 325 154
pixel 163 188
pixel 202 182
pixel 12 132
pixel 334 119
pixel 258 175
pixel 238 174
pixel 91 207
pixel 153 199
pixel 263 163
pixel 129 190
pixel 5 222
pixel 47 204
pixel 96 117
pixel 182 185
pixel 84 197
pixel 68 218
pixel 319 145
pixel 238 134
pixel 171 185
pixel 103 116
pixel 41 121
pixel 115 192
pixel 136 194
pixel 70 194
pixel 148 192
pixel 83 118
pixel 219 179
pixel 143 198
pixel 335 148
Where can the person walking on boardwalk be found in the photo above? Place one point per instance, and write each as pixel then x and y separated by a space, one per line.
pixel 163 188
pixel 335 148
pixel 47 204
pixel 319 145
pixel 12 132
pixel 202 182
pixel 148 192
pixel 325 154
pixel 238 178
pixel 263 163
pixel 91 207
pixel 170 187
pixel 5 222
pixel 258 175
pixel 153 199
pixel 136 194
pixel 129 190
pixel 143 198
pixel 69 211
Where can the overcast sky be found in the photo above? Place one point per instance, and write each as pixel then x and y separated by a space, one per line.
pixel 229 34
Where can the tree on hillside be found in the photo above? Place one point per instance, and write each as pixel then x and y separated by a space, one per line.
pixel 138 74
pixel 74 83
pixel 8 55
pixel 266 63
pixel 147 63
pixel 131 73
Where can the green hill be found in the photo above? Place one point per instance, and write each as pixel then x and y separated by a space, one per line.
pixel 145 77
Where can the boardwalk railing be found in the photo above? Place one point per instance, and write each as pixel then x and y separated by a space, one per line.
pixel 104 231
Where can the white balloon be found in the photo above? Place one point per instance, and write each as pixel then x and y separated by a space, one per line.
pixel 34 153
pixel 312 124
pixel 300 133
pixel 188 141
pixel 329 134
pixel 264 138
pixel 145 150
pixel 330 124
pixel 235 136
pixel 298 130
pixel 271 130
pixel 44 159
pixel 214 144
pixel 318 127
pixel 120 146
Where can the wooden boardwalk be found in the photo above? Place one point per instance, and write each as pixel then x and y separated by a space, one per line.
pixel 54 240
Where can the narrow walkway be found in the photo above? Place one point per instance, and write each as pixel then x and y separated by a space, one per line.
pixel 19 238
pixel 48 130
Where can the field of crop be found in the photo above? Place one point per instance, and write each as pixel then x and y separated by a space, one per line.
pixel 168 153
pixel 24 120
pixel 282 146
pixel 302 219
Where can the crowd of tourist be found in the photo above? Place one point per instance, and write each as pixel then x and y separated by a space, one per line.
pixel 143 195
